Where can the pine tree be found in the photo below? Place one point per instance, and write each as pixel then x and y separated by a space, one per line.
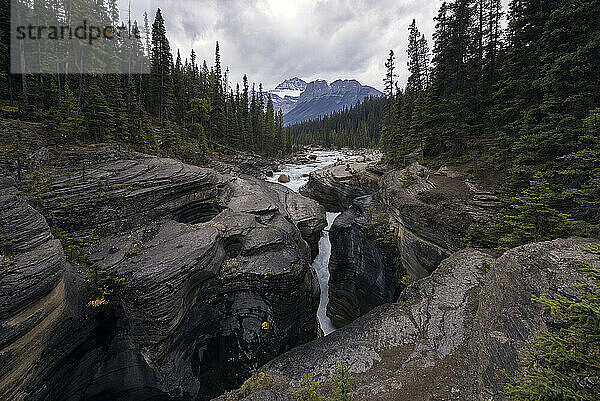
pixel 583 171
pixel 198 114
pixel 563 364
pixel 218 117
pixel 65 120
pixel 269 133
pixel 99 118
pixel 387 129
pixel 416 79
pixel 530 217
pixel 161 84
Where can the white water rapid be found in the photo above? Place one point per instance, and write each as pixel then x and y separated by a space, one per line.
pixel 298 177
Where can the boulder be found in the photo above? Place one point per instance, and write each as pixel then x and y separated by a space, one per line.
pixel 336 186
pixel 455 335
pixel 283 178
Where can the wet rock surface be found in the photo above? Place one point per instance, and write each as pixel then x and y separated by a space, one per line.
pixel 364 267
pixel 450 335
pixel 336 186
pixel 217 279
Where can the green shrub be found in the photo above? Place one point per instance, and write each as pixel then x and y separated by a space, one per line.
pixel 308 391
pixel 342 381
pixel 564 364
pixel 257 382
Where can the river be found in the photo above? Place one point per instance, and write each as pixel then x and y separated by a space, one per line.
pixel 298 177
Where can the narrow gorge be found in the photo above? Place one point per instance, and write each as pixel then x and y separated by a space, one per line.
pixel 135 277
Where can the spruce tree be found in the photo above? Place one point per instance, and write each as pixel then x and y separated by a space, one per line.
pixel 530 217
pixel 218 117
pixel 161 84
pixel 563 365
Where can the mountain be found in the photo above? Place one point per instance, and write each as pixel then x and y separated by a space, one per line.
pixel 302 101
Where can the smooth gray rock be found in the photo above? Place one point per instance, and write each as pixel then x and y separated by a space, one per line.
pixel 363 265
pixel 336 186
pixel 218 280
pixel 450 336
pixel 308 215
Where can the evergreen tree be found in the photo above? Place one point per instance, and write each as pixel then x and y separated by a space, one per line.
pixel 563 365
pixel 161 85
pixel 218 117
pixel 388 127
pixel 269 133
pixel 530 217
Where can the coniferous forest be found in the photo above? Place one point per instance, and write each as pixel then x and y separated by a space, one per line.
pixel 183 108
pixel 355 127
pixel 523 101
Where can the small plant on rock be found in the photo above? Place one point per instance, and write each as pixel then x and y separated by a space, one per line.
pixel 133 251
pixel 308 391
pixel 342 381
pixel 257 382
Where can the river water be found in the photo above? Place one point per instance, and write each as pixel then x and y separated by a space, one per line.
pixel 298 177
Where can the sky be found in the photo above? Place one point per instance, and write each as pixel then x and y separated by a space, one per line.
pixel 272 40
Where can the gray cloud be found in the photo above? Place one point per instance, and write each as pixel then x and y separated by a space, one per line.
pixel 272 40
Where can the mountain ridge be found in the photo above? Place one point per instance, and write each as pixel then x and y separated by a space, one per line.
pixel 300 100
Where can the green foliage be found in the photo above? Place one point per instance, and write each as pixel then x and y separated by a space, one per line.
pixel 181 109
pixel 75 247
pixel 257 382
pixel 101 286
pixel 342 381
pixel 133 251
pixel 484 267
pixel 529 217
pixel 476 237
pixel 308 391
pixel 564 363
pixel 388 238
pixel 584 170
pixel 355 127
pixel 65 118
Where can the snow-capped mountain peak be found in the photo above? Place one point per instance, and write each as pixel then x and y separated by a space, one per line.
pixel 295 84
pixel 299 100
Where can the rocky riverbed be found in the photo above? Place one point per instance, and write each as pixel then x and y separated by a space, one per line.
pixel 132 277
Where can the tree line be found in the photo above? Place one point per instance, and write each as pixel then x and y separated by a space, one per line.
pixel 354 127
pixel 524 100
pixel 525 103
pixel 181 108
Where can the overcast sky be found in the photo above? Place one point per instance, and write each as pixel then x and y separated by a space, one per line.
pixel 271 40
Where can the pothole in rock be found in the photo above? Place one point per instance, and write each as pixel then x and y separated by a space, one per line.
pixel 197 212
pixel 233 246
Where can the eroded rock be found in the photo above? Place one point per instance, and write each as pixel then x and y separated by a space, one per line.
pixel 364 264
pixel 218 280
pixel 450 335
pixel 336 186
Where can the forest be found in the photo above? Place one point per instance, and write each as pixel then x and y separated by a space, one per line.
pixel 182 108
pixel 355 127
pixel 522 102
